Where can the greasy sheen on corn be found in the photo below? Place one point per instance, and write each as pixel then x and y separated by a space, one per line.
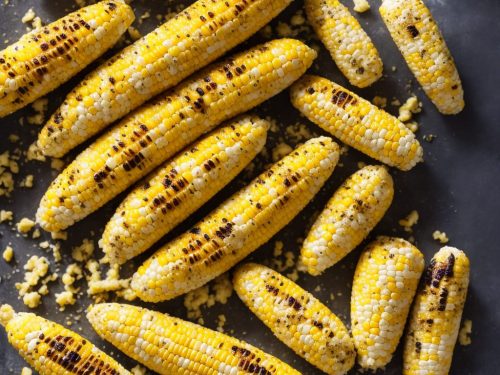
pixel 385 281
pixel 239 225
pixel 356 122
pixel 349 216
pixel 157 130
pixel 435 318
pixel 350 47
pixel 52 349
pixel 298 319
pixel 169 345
pixel 46 57
pixel 195 37
pixel 180 187
pixel 417 36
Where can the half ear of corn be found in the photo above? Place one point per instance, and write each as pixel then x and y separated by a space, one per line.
pixel 385 282
pixel 418 38
pixel 52 349
pixel 436 314
pixel 297 318
pixel 195 37
pixel 156 131
pixel 239 226
pixel 47 57
pixel 181 186
pixel 356 122
pixel 170 345
pixel 352 212
pixel 350 47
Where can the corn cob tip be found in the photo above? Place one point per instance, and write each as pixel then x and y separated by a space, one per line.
pixel 6 314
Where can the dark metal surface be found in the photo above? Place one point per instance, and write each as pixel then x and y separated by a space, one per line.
pixel 456 190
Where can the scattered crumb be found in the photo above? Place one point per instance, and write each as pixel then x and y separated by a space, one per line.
pixel 221 320
pixel 294 275
pixel 112 282
pixel 25 225
pixel 59 235
pixel 28 16
pixel 267 32
pixel 6 314
pixel 361 6
pixel 57 164
pixel 284 30
pixel 32 299
pixel 428 138
pixel 278 248
pixel 6 215
pixel 298 19
pixel 36 233
pixel 27 182
pixel 361 164
pixel 440 236
pixel 395 102
pixel 83 252
pixel 34 153
pixel 36 269
pixel 464 337
pixel 8 254
pixel 134 33
pixel 408 222
pixel 138 370
pixel 393 68
pixel 411 106
pixel 413 126
pixel 8 167
pixel 281 150
pixel 40 108
pixel 81 3
pixel 13 138
pixel 67 297
pixel 26 371
pixel 380 101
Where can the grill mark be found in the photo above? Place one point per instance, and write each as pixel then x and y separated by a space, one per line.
pixel 342 98
pixel 412 30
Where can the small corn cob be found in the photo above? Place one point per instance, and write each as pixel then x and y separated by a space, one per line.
pixel 195 37
pixel 385 282
pixel 180 187
pixel 47 57
pixel 169 345
pixel 239 225
pixel 418 38
pixel 436 314
pixel 350 47
pixel 297 318
pixel 52 349
pixel 156 131
pixel 352 212
pixel 356 122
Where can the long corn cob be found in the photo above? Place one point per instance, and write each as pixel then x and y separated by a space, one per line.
pixel 356 122
pixel 417 36
pixel 180 187
pixel 297 318
pixel 169 345
pixel 238 226
pixel 385 282
pixel 350 47
pixel 153 133
pixel 52 349
pixel 195 37
pixel 352 212
pixel 435 318
pixel 49 56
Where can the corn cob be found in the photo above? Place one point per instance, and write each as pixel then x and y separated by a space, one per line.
pixel 52 349
pixel 180 187
pixel 169 345
pixel 436 314
pixel 356 122
pixel 47 57
pixel 352 212
pixel 297 318
pixel 153 133
pixel 417 36
pixel 385 282
pixel 239 225
pixel 195 37
pixel 350 47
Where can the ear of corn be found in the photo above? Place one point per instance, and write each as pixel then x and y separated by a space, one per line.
pixel 350 47
pixel 181 186
pixel 238 226
pixel 352 212
pixel 417 36
pixel 195 37
pixel 170 345
pixel 436 314
pixel 356 122
pixel 52 349
pixel 156 131
pixel 47 57
pixel 385 282
pixel 297 318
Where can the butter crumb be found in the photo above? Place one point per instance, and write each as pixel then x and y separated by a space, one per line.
pixel 409 221
pixel 34 153
pixel 25 225
pixel 6 216
pixel 27 182
pixel 57 164
pixel 6 314
pixel 380 101
pixel 411 106
pixel 59 235
pixel 134 33
pixel 464 336
pixel 440 236
pixel 138 370
pixel 26 371
pixel 32 299
pixel 28 16
pixel 83 252
pixel 8 254
pixel 280 151
pixel 361 6
pixel 221 321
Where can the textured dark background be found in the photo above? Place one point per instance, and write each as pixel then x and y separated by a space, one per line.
pixel 456 190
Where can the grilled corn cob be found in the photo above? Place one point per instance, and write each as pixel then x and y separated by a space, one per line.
pixel 180 187
pixel 239 225
pixel 170 345
pixel 352 212
pixel 350 47
pixel 417 36
pixel 156 131
pixel 297 318
pixel 436 314
pixel 356 122
pixel 52 349
pixel 385 282
pixel 49 56
pixel 195 37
